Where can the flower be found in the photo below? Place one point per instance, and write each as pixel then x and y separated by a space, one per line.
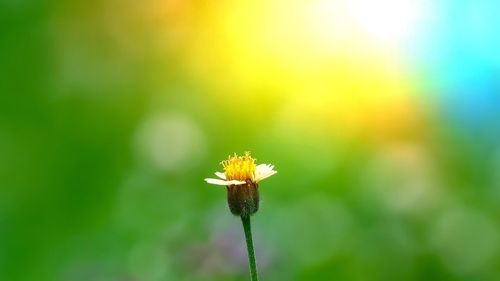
pixel 241 177
pixel 240 170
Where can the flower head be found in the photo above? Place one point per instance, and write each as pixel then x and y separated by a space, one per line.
pixel 239 170
pixel 241 177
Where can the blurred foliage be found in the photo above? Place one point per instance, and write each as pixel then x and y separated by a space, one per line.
pixel 113 112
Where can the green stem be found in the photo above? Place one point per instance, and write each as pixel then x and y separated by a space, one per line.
pixel 247 227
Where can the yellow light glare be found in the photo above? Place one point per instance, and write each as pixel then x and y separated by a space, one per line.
pixel 295 39
pixel 345 49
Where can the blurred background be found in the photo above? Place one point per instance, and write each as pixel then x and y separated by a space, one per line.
pixel 382 118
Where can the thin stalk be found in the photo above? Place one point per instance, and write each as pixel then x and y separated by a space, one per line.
pixel 247 227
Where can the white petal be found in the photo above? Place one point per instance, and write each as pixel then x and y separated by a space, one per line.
pixel 264 171
pixel 220 175
pixel 223 182
pixel 262 168
pixel 216 181
pixel 265 176
pixel 235 182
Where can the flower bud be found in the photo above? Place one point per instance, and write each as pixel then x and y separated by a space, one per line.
pixel 243 199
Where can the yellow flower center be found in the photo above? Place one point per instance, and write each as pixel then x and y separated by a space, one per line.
pixel 240 168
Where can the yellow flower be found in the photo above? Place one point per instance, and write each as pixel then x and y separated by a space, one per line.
pixel 241 177
pixel 239 170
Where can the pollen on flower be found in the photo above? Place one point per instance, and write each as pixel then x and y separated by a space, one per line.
pixel 239 167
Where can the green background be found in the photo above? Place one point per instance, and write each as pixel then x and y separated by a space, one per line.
pixel 105 141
